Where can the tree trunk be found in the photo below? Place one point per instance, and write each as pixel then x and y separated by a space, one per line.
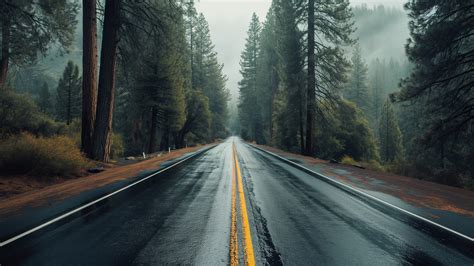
pixel 5 52
pixel 106 92
pixel 301 122
pixel 69 104
pixel 311 94
pixel 152 142
pixel 89 74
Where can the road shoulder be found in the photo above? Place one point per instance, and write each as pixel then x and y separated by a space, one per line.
pixel 449 206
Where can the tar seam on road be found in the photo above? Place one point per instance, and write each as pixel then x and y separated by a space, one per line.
pixel 248 246
pixel 30 231
pixel 234 244
pixel 367 195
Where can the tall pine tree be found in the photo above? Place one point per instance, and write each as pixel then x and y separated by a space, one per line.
pixel 291 95
pixel 331 22
pixel 249 111
pixel 390 137
pixel 44 100
pixel 69 99
pixel 267 75
pixel 358 88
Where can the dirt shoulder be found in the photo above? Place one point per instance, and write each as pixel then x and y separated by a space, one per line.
pixel 19 192
pixel 435 199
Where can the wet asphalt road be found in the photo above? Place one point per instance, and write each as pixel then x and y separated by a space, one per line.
pixel 184 216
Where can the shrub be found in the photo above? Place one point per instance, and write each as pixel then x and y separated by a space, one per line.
pixel 371 164
pixel 348 160
pixel 18 113
pixel 117 148
pixel 40 156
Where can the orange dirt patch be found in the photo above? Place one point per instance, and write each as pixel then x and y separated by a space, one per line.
pixel 411 190
pixel 36 193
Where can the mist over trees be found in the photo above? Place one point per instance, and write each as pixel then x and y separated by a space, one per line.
pixel 389 87
pixel 350 89
pixel 165 91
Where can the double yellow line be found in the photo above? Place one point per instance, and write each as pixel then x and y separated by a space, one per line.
pixel 247 237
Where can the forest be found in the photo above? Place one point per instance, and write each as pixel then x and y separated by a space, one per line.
pixel 100 80
pixel 336 85
pixel 150 77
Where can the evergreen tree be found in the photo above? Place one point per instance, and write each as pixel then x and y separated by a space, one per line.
pixel 291 95
pixel 155 75
pixel 69 99
pixel 267 75
pixel 250 113
pixel 378 90
pixel 89 74
pixel 208 77
pixel 44 100
pixel 443 73
pixel 390 137
pixel 28 28
pixel 198 117
pixel 358 89
pixel 440 90
pixel 344 131
pixel 330 20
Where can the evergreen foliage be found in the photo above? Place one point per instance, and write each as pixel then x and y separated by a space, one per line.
pixel 390 137
pixel 249 107
pixel 358 88
pixel 44 99
pixel 69 99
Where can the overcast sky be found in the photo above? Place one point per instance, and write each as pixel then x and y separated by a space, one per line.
pixel 229 20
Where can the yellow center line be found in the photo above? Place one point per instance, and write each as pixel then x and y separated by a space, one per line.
pixel 234 244
pixel 248 246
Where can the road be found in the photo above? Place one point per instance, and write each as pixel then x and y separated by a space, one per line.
pixel 233 204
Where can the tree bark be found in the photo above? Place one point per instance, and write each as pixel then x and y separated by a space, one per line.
pixel 152 142
pixel 89 75
pixel 106 92
pixel 5 52
pixel 69 102
pixel 311 94
pixel 301 123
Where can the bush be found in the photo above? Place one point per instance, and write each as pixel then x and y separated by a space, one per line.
pixel 18 113
pixel 117 148
pixel 348 160
pixel 371 164
pixel 40 156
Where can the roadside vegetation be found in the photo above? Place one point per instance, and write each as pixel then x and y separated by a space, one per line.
pixel 333 81
pixel 63 111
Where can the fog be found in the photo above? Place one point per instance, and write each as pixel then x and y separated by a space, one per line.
pixel 229 19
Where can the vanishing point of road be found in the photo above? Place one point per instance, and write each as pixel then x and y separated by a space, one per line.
pixel 234 204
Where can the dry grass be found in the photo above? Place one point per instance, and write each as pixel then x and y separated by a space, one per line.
pixel 25 154
pixel 31 194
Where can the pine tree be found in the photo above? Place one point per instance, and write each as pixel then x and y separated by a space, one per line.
pixel 69 99
pixel 378 90
pixel 441 48
pixel 330 20
pixel 28 28
pixel 390 137
pixel 291 95
pixel 358 88
pixel 267 75
pixel 249 111
pixel 155 75
pixel 44 100
pixel 207 76
pixel 89 73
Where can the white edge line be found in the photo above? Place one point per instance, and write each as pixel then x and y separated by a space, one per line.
pixel 32 230
pixel 370 196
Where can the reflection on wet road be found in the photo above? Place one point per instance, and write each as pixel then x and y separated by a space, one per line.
pixel 233 204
